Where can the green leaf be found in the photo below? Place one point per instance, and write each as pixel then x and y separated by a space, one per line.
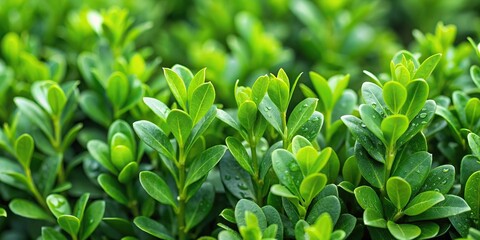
pixel 273 218
pixel 367 139
pixel 236 180
pixel 241 209
pixel 112 187
pixel 200 128
pixel 472 112
pixel 402 75
pixel 393 128
pixel 177 87
pixel 310 161
pixel 157 188
pixel 475 75
pixel 451 120
pixel 204 163
pixel 154 137
pixel 56 99
pixel 247 114
pixel 403 231
pixel 92 218
pixel 368 198
pixel 429 229
pixel 196 81
pixel 80 206
pixel 121 156
pixel 414 169
pixel 28 209
pixel 395 95
pixel 427 66
pixel 474 143
pixel 372 119
pixel 128 173
pixel 373 218
pixel 440 179
pixel 199 206
pixel 271 113
pixel 24 146
pixel 278 91
pixel 321 229
pixel 152 227
pixel 202 100
pixel 3 212
pixel 419 122
pixel 117 89
pixel 227 119
pixel 323 90
pixel 311 128
pixel 300 115
pixel 58 205
pixel 94 106
pixel 259 89
pixel 180 124
pixel 69 223
pixel 373 96
pixel 399 191
pixel 99 151
pixel 417 91
pixel 157 107
pixel 372 171
pixel 422 202
pixel 282 191
pixel 240 154
pixel 350 171
pixel 328 204
pixel 49 233
pixel 452 205
pixel 34 114
pixel 472 194
pixel 287 169
pixel 312 185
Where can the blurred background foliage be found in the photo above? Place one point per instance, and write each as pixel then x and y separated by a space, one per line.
pixel 99 42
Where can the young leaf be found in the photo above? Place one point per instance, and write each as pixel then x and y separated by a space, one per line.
pixel 204 163
pixel 58 205
pixel 472 112
pixel 239 153
pixel 117 89
pixel 180 124
pixel 323 90
pixel 196 81
pixel 427 66
pixel 271 112
pixel 99 151
pixel 287 170
pixel 129 172
pixel 157 107
pixel 399 191
pixel 300 115
pixel 69 223
pixel 394 95
pixel 56 99
pixel 393 127
pixel 177 87
pixel 403 231
pixel 92 218
pixel 157 188
pixel 202 99
pixel 422 202
pixel 368 198
pixel 247 114
pixel 373 218
pixel 278 92
pixel 80 206
pixel 312 185
pixel 153 228
pixel 259 89
pixel 24 149
pixel 417 94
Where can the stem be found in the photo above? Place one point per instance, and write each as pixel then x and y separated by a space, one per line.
pixel 181 195
pixel 34 189
pixel 256 170
pixel 57 145
pixel 74 237
pixel 327 124
pixel 285 130
pixel 390 158
pixel 397 216
pixel 132 203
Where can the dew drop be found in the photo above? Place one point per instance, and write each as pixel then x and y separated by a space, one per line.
pixel 423 122
pixel 237 177
pixel 374 117
pixel 423 115
pixel 315 119
pixel 228 177
pixel 304 105
pixel 363 125
pixel 436 189
pixel 242 186
pixel 374 105
pixel 444 182
pixel 293 167
pixel 445 170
